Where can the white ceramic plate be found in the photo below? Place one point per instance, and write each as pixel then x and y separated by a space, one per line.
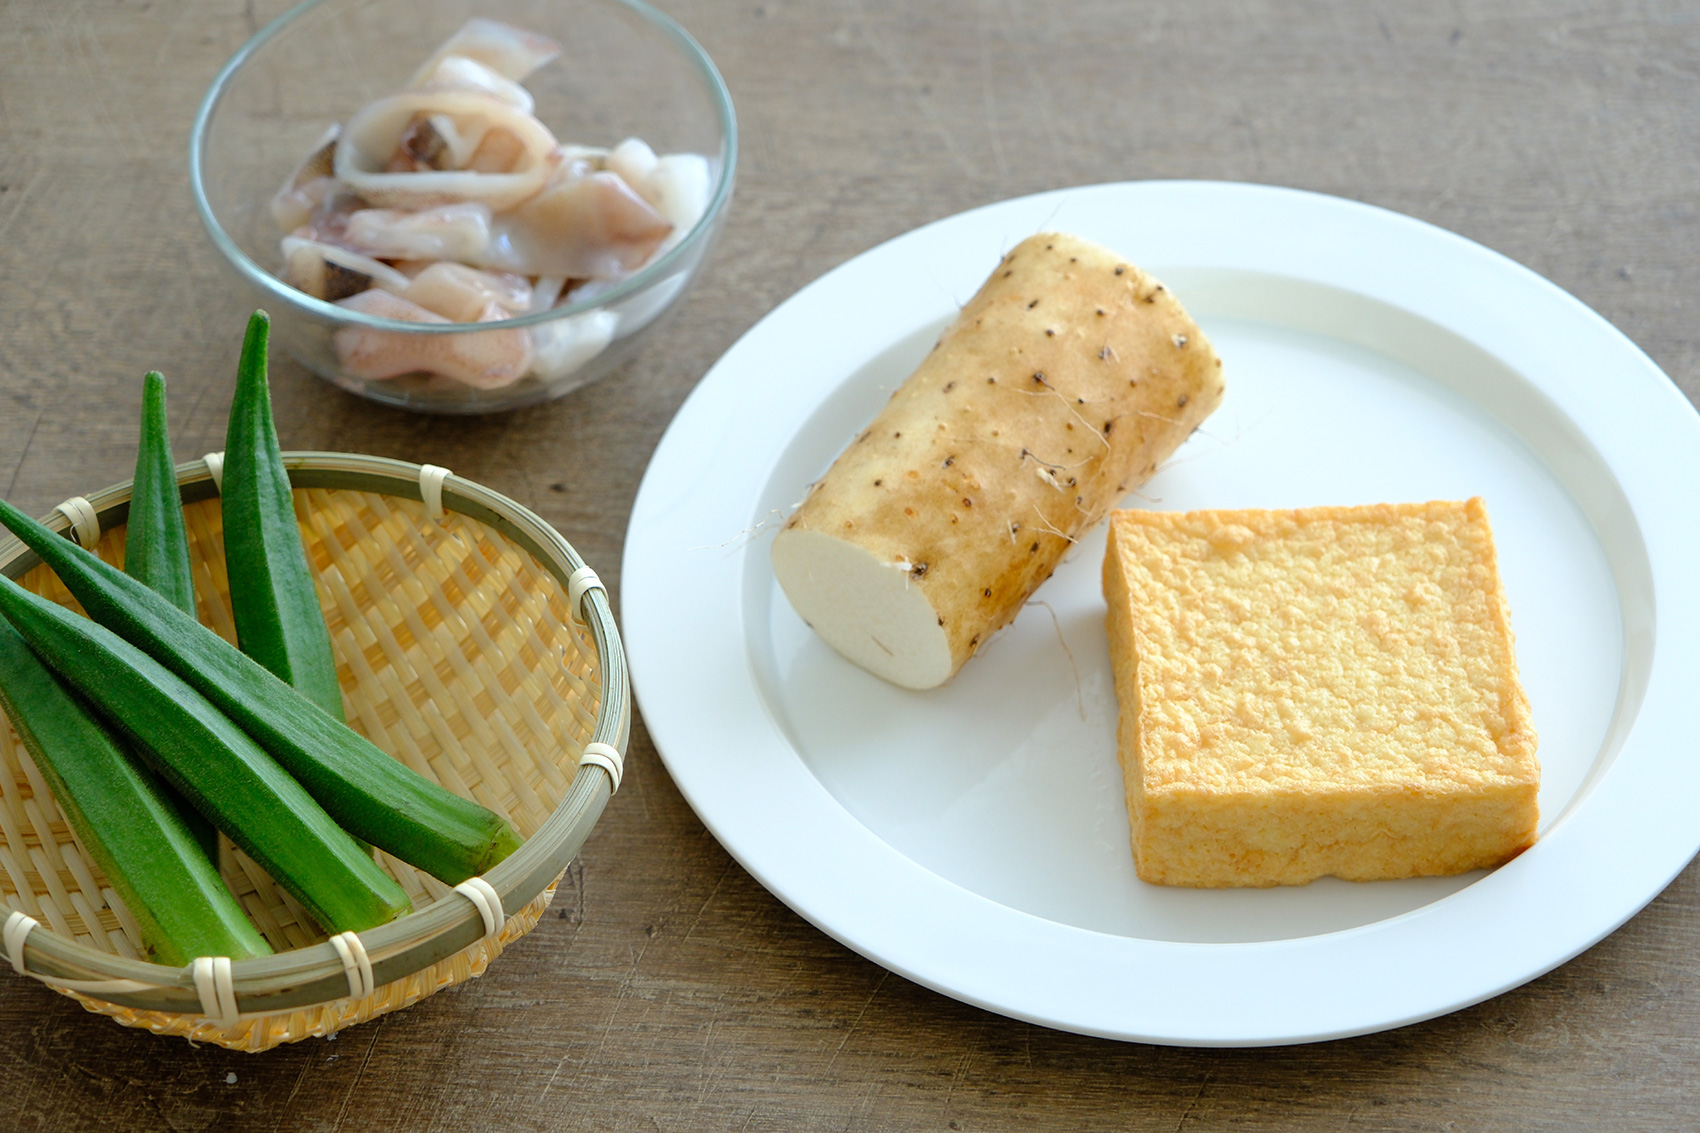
pixel 973 838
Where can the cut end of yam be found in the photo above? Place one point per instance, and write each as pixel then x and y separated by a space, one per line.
pixel 869 610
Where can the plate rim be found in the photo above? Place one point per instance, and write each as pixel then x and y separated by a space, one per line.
pixel 806 863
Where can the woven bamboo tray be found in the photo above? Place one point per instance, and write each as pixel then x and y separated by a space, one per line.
pixel 472 644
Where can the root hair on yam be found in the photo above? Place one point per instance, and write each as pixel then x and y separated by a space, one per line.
pixel 1074 670
pixel 1052 391
pixel 774 518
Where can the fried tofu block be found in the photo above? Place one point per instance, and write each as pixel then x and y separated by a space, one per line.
pixel 1314 692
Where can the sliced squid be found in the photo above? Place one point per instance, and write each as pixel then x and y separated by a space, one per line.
pixel 325 271
pixel 465 295
pixel 545 290
pixel 373 138
pixel 327 223
pixel 293 207
pixel 448 232
pixel 565 345
pixel 431 141
pixel 596 156
pixel 677 185
pixel 588 224
pixel 498 152
pixel 682 184
pixel 451 203
pixel 459 72
pixel 582 291
pixel 436 142
pixel 513 53
pixel 486 359
pixel 635 162
pixel 311 182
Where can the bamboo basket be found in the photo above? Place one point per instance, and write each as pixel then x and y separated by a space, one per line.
pixel 472 643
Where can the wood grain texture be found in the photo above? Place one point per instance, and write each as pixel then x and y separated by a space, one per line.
pixel 667 990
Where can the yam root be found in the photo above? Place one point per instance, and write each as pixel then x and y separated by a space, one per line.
pixel 1062 386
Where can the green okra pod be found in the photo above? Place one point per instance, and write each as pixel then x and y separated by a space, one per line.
pixel 124 817
pixel 278 619
pixel 213 763
pixel 156 542
pixel 372 795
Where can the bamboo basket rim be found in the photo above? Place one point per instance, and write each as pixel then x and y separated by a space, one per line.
pixel 315 975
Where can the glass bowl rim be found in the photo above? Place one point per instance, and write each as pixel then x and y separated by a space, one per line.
pixel 639 282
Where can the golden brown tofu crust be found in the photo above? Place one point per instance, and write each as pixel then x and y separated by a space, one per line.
pixel 1315 692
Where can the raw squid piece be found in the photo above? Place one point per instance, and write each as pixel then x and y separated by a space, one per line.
pixel 586 225
pixel 449 232
pixel 465 295
pixel 372 137
pixel 681 184
pixel 510 52
pixel 457 72
pixel 484 359
pixel 565 345
pixel 311 183
pixel 677 186
pixel 451 202
pixel 325 271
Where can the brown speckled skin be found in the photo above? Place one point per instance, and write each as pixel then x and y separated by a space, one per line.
pixel 1060 388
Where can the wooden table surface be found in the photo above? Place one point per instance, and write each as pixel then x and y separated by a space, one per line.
pixel 667 990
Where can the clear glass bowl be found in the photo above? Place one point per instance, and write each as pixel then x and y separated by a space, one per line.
pixel 626 70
